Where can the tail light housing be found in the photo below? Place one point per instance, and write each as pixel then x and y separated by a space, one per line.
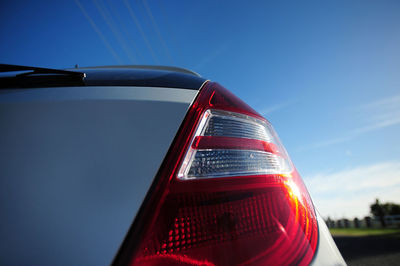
pixel 226 194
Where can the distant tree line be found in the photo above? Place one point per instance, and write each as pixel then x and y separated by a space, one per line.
pixel 384 214
pixel 345 223
pixel 381 210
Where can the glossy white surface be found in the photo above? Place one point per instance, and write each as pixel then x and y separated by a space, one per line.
pixel 76 164
pixel 327 252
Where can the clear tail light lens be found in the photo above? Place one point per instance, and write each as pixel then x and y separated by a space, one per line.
pixel 231 144
pixel 226 194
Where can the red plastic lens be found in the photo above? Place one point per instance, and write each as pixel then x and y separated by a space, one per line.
pixel 251 219
pixel 207 142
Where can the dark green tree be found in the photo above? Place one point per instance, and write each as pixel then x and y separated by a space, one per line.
pixel 381 209
pixel 378 211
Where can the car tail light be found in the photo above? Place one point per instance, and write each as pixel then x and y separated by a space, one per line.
pixel 226 194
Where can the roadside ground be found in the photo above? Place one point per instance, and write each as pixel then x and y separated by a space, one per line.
pixel 368 246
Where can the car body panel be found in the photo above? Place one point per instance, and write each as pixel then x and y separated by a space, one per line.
pixel 76 164
pixel 327 253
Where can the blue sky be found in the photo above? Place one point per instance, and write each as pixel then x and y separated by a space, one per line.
pixel 325 73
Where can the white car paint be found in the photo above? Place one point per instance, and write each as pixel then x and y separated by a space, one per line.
pixel 85 154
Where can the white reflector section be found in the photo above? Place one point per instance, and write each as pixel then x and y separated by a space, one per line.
pixel 228 124
pixel 210 162
pixel 220 163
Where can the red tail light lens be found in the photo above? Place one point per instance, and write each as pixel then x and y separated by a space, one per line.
pixel 226 194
